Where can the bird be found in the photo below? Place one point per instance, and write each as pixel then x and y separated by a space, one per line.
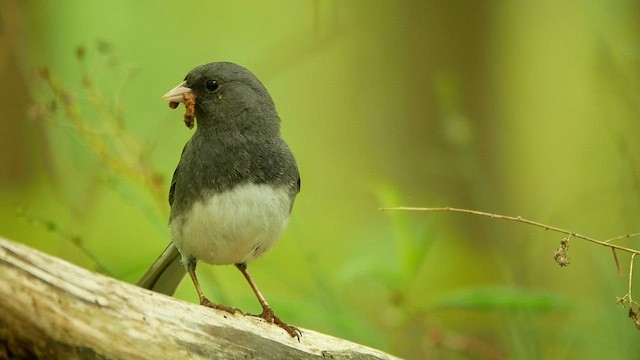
pixel 233 189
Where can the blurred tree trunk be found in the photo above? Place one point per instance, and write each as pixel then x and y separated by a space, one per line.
pixel 50 309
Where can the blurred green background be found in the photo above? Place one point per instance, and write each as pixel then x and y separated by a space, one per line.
pixel 519 108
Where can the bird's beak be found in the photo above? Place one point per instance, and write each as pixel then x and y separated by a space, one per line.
pixel 177 93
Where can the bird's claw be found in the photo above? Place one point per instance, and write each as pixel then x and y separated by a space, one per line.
pixel 268 315
pixel 231 310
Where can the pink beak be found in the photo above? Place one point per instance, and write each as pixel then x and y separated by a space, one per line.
pixel 177 93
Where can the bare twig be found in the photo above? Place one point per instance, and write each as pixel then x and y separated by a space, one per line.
pixel 631 275
pixel 107 138
pixel 615 257
pixel 561 254
pixel 627 300
pixel 622 237
pixel 529 222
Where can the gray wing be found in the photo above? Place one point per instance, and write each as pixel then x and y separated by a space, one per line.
pixel 172 188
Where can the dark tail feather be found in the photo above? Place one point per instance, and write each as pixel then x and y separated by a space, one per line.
pixel 165 274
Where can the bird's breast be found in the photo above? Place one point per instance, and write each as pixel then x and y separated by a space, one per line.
pixel 233 226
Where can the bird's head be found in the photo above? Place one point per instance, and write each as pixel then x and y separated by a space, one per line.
pixel 227 96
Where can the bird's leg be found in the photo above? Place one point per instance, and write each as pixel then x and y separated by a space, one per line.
pixel 190 265
pixel 267 311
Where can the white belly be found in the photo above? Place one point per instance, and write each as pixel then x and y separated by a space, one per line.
pixel 233 227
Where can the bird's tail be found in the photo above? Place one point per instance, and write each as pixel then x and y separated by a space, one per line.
pixel 165 274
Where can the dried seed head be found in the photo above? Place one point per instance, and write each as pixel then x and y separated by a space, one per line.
pixel 561 256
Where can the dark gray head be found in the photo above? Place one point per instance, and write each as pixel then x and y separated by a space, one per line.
pixel 229 97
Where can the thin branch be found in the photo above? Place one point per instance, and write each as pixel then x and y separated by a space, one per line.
pixel 561 256
pixel 615 257
pixel 622 237
pixel 631 276
pixel 529 222
pixel 627 300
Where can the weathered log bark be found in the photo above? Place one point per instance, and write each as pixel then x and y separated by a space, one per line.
pixel 51 309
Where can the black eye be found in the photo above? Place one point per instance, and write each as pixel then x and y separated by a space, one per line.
pixel 212 85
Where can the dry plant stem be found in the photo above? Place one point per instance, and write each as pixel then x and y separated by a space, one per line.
pixel 622 237
pixel 627 300
pixel 530 222
pixel 615 257
pixel 631 277
pixel 109 140
pixel 561 254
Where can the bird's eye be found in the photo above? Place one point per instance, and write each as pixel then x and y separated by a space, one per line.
pixel 212 85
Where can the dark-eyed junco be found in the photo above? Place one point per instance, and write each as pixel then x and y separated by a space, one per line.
pixel 233 189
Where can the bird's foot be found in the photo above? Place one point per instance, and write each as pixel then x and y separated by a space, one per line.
pixel 270 317
pixel 205 302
